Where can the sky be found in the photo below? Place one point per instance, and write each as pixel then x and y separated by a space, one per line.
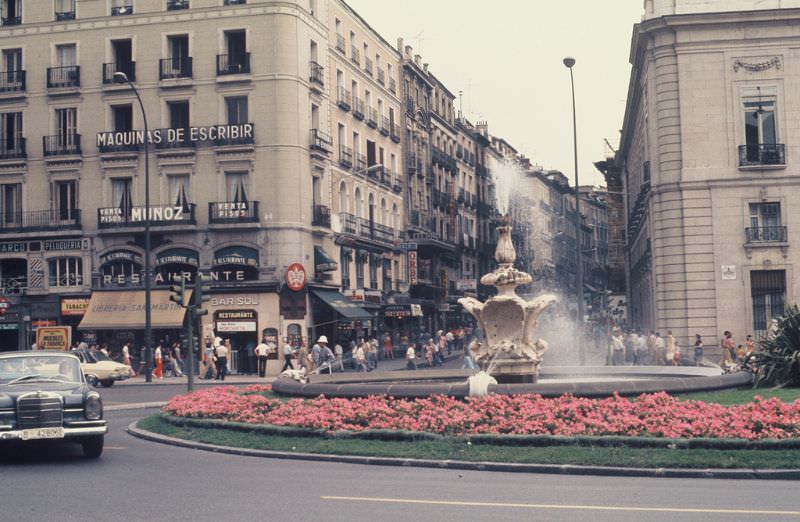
pixel 506 57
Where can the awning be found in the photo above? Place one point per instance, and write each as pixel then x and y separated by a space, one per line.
pixel 342 305
pixel 323 262
pixel 125 309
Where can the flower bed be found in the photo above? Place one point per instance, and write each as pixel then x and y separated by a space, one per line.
pixel 652 415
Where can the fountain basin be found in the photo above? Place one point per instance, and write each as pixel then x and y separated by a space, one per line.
pixel 600 381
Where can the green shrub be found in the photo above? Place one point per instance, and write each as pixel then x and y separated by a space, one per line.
pixel 778 356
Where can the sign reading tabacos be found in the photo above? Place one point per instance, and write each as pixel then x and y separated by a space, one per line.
pixel 241 131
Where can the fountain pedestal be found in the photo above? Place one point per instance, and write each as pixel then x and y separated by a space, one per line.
pixel 509 352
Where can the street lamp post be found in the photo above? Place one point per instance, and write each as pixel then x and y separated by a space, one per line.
pixel 148 324
pixel 569 62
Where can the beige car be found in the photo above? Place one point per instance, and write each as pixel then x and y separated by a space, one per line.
pixel 100 369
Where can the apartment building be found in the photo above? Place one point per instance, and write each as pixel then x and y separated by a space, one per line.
pixel 708 161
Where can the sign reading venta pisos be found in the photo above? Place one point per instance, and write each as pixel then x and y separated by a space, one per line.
pixel 241 131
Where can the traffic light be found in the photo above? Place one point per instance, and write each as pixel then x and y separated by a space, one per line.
pixel 178 291
pixel 200 295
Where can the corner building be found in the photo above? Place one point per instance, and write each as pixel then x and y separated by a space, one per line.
pixel 248 173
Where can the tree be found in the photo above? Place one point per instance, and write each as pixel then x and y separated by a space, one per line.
pixel 778 356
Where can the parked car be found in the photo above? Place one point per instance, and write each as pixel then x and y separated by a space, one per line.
pixel 45 396
pixel 100 369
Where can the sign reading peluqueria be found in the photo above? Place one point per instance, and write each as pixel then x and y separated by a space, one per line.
pixel 241 131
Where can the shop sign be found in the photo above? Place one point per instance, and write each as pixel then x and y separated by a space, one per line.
pixel 467 285
pixel 4 305
pixel 236 255
pixel 13 247
pixel 398 311
pixel 373 296
pixel 179 256
pixel 728 272
pixel 120 255
pixel 416 310
pixel 232 210
pixel 234 300
pixel 74 305
pixel 161 278
pixel 116 215
pixel 58 245
pixel 412 267
pixel 9 326
pixel 241 131
pixel 296 277
pixel 229 321
pixel 43 322
pixel 356 294
pixel 54 338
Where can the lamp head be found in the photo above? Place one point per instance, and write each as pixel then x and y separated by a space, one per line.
pixel 121 77
pixel 569 61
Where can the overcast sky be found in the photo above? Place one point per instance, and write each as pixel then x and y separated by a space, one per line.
pixel 506 57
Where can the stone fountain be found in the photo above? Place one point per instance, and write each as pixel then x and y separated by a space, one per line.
pixel 509 354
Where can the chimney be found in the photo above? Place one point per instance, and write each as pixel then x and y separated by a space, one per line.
pixel 409 50
pixel 400 45
pixel 483 128
pixel 425 67
pixel 417 59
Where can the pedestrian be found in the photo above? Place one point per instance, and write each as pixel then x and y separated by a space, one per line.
pixel 670 345
pixel 304 361
pixel 221 353
pixel 252 358
pixel 338 351
pixel 327 358
pixel 104 349
pixel 618 347
pixel 159 371
pixel 288 353
pixel 468 362
pixel 316 350
pixel 641 349
pixel 388 352
pixel 429 348
pixel 361 357
pixel 652 340
pixel 749 344
pixel 449 339
pixel 411 358
pixel 728 346
pixel 126 359
pixel 261 351
pixel 660 349
pixel 698 350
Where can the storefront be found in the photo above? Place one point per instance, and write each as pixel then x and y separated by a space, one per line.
pixel 338 317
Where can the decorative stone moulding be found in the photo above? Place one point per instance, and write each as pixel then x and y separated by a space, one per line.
pixel 775 62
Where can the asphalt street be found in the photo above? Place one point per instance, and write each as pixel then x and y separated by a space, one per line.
pixel 138 480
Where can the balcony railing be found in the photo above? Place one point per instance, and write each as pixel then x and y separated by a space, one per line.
pixel 66 76
pixel 381 76
pixel 317 74
pixel 775 234
pixel 234 2
pixel 392 86
pixel 396 133
pixel 61 144
pixel 119 147
pixel 237 139
pixel 340 43
pixel 372 117
pixel 160 215
pixel 13 285
pixel 365 228
pixel 361 162
pixel 122 10
pixel 228 212
pixel 355 56
pixel 358 107
pixel 11 20
pixel 321 216
pixel 184 142
pixel 410 105
pixel 233 64
pixel 12 81
pixel 368 65
pixel 173 68
pixel 320 140
pixel 411 163
pixel 40 220
pixel 344 99
pixel 62 16
pixel 110 69
pixel 385 126
pixel 13 149
pixel 345 156
pixel 174 5
pixel 764 154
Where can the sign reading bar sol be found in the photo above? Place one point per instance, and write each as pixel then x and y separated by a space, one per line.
pixel 54 337
pixel 296 277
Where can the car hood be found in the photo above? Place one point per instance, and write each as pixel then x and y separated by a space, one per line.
pixel 73 393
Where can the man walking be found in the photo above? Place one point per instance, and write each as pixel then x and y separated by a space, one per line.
pixel 339 353
pixel 287 357
pixel 222 359
pixel 316 350
pixel 261 352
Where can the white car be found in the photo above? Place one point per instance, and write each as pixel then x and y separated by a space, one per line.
pixel 100 369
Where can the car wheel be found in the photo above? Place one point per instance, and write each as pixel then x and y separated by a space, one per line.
pixel 92 380
pixel 107 383
pixel 93 446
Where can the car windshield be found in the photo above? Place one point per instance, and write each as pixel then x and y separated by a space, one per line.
pixel 32 369
pixel 96 356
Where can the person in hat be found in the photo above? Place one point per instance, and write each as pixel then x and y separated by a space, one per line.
pixel 317 349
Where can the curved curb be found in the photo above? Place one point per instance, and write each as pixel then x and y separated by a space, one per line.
pixel 135 406
pixel 556 469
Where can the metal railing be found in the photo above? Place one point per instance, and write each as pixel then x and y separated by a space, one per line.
pixel 176 67
pixel 320 140
pixel 774 234
pixel 355 56
pixel 321 216
pixel 239 139
pixel 12 81
pixel 317 74
pixel 122 10
pixel 65 15
pixel 365 228
pixel 358 107
pixel 65 76
pixel 160 215
pixel 13 149
pixel 233 64
pixel 345 156
pixel 174 5
pixel 340 43
pixel 110 69
pixel 361 161
pixel 372 117
pixel 392 86
pixel 762 154
pixel 385 126
pixel 39 220
pixel 344 99
pixel 11 20
pixel 396 133
pixel 119 147
pixel 13 285
pixel 182 143
pixel 61 144
pixel 368 65
pixel 227 212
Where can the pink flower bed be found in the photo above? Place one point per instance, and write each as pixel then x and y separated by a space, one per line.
pixel 650 415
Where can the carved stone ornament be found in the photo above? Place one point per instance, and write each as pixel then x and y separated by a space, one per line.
pixel 775 61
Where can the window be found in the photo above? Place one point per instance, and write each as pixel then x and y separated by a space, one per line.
pixel 765 223
pixel 121 7
pixel 236 108
pixel 64 199
pixel 179 191
pixel 768 291
pixel 344 263
pixel 373 271
pixel 65 271
pixel 236 187
pixel 359 203
pixel 360 269
pixel 11 12
pixel 344 205
pixel 67 138
pixel 121 194
pixel 11 141
pixel 179 63
pixel 760 128
pixel 123 117
pixel 11 203
pixel 387 275
pixel 371 157
pixel 178 114
pixel 236 59
pixel 65 9
pixel 66 55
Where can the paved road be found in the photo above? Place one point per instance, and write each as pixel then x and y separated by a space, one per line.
pixel 137 480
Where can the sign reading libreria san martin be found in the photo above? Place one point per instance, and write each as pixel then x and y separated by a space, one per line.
pixel 240 131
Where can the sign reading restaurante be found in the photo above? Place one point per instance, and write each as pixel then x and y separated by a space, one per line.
pixel 241 131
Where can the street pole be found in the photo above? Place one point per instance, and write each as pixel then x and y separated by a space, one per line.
pixel 569 62
pixel 148 323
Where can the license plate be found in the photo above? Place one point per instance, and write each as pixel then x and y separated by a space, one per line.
pixel 43 433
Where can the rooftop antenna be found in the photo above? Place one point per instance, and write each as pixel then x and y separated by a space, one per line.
pixel 461 103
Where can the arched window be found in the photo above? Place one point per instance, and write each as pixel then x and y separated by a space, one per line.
pixel 358 202
pixel 344 205
pixel 65 271
pixel 384 217
pixel 371 208
pixel 394 217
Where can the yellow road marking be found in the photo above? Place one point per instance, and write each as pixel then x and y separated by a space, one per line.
pixel 462 503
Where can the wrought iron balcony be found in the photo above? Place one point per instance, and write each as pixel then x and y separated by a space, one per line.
pixel 238 139
pixel 344 99
pixel 238 63
pixel 234 2
pixel 160 215
pixel 120 147
pixel 410 105
pixel 368 65
pixel 61 144
pixel 320 141
pixel 12 81
pixel 122 10
pixel 13 149
pixel 174 5
pixel 110 69
pixel 40 220
pixel 396 133
pixel 345 156
pixel 361 161
pixel 340 43
pixel 231 212
pixel 321 216
pixel 174 68
pixel 366 229
pixel 13 285
pixel 358 107
pixel 385 126
pixel 392 86
pixel 317 74
pixel 763 154
pixel 774 234
pixel 65 15
pixel 381 76
pixel 11 20
pixel 355 56
pixel 66 76
pixel 372 117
